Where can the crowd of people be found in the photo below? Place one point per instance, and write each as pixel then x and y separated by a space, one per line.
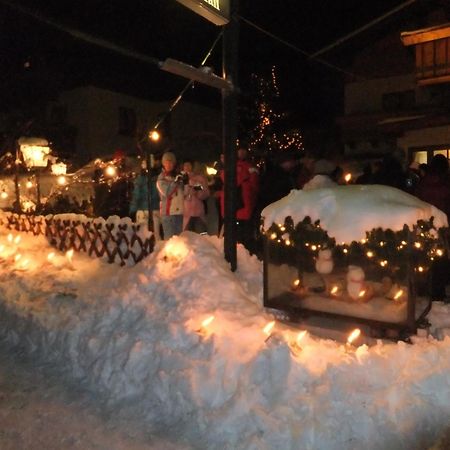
pixel 178 193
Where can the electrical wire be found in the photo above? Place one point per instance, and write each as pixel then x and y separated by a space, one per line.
pixel 81 35
pixel 188 84
pixel 297 49
pixel 361 29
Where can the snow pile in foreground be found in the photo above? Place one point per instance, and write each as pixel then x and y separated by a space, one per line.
pixel 348 212
pixel 135 335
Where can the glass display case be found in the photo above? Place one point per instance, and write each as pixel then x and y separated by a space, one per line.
pixel 382 280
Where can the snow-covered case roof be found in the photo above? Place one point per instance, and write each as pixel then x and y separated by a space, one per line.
pixel 347 212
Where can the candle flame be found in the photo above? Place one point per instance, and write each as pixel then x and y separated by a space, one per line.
pixel 362 293
pixel 17 257
pixel 300 336
pixel 207 321
pixel 398 294
pixel 69 254
pixel 268 328
pixel 2 247
pixel 353 335
pixel 348 177
pixel 17 239
pixel 334 290
pixel 10 237
pixel 296 283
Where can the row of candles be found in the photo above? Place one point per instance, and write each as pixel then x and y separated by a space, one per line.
pixel 295 346
pixel 337 290
pixel 10 251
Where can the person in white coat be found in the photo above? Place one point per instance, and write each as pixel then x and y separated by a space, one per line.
pixel 170 186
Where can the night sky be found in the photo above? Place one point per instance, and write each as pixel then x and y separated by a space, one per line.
pixel 164 28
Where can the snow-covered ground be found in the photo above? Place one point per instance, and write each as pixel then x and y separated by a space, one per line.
pixel 134 337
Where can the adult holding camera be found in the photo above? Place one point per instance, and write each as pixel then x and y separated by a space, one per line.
pixel 195 192
pixel 171 192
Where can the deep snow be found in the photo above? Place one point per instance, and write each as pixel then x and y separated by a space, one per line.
pixel 134 337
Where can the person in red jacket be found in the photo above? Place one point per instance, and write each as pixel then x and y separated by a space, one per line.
pixel 247 182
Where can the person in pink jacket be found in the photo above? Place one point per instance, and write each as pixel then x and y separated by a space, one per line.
pixel 195 192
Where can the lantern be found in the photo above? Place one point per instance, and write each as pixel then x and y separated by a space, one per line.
pixel 35 151
pixel 59 168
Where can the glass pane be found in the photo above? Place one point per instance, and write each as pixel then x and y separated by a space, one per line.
pixel 420 157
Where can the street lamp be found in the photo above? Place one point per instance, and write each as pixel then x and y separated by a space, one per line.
pixel 35 152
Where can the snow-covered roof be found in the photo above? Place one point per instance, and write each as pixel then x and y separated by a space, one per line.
pixel 347 212
pixel 35 141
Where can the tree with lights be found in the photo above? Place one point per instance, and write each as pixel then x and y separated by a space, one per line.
pixel 269 134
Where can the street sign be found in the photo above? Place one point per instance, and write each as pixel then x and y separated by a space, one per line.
pixel 216 11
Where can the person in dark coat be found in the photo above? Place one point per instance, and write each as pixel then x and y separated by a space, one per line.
pixel 434 188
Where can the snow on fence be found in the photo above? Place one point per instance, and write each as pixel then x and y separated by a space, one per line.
pixel 114 239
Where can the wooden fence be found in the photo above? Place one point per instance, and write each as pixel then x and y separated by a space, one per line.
pixel 116 242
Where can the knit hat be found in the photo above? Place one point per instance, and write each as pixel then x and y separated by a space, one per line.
pixel 169 156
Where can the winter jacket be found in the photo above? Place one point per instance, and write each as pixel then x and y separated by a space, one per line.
pixel 193 198
pixel 171 193
pixel 247 178
pixel 436 191
pixel 139 199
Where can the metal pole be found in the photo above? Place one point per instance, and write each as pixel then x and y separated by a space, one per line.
pixel 17 206
pixel 229 131
pixel 148 160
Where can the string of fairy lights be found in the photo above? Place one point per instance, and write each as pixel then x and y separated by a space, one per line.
pixel 384 251
pixel 265 136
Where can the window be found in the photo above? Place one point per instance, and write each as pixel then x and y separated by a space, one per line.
pixel 127 121
pixel 399 101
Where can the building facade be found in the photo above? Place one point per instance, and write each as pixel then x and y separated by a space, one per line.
pixel 106 121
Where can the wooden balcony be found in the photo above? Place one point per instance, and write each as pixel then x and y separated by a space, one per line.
pixel 432 48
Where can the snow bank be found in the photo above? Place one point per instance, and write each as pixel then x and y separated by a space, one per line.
pixel 348 212
pixel 135 336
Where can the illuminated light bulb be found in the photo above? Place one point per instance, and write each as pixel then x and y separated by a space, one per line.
pixel 398 294
pixel 348 177
pixel 17 257
pixel 61 180
pixel 17 239
pixel 25 263
pixel 420 269
pixel 353 336
pixel 417 244
pixel 381 244
pixel 439 252
pixel 111 171
pixel 282 228
pixel 369 254
pixel 211 171
pixel 273 236
pixel 306 244
pixel 363 241
pixel 267 330
pixel 383 263
pixel 2 247
pixel 50 256
pixel 288 242
pixel 154 136
pixel 345 250
pixel 29 184
pixel 403 242
pixel 10 237
pixel 4 195
pixel 400 247
pixel 314 247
